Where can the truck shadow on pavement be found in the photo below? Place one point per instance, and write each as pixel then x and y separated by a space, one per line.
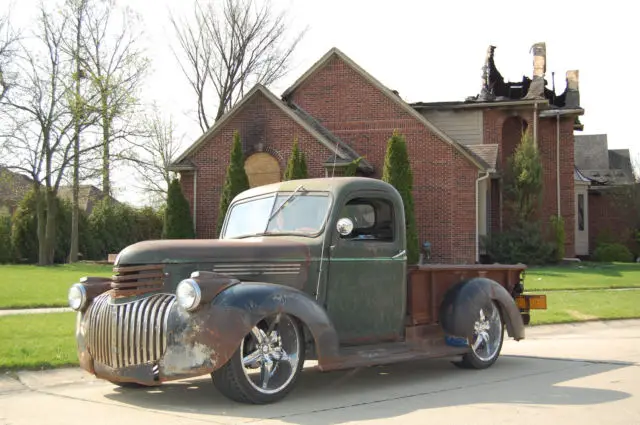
pixel 390 391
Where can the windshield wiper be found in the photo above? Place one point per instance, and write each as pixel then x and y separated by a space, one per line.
pixel 281 206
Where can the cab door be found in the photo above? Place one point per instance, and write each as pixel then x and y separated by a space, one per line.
pixel 366 285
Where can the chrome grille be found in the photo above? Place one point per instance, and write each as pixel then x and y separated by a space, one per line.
pixel 243 269
pixel 128 334
pixel 136 280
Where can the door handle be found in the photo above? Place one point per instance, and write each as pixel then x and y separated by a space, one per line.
pixel 399 255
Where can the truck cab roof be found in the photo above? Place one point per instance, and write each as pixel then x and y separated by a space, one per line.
pixel 328 184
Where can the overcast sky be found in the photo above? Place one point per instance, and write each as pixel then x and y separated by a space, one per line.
pixel 431 51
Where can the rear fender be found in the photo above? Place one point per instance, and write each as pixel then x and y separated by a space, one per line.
pixel 465 298
pixel 205 339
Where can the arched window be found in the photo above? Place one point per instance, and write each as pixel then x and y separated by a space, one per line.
pixel 512 130
pixel 262 168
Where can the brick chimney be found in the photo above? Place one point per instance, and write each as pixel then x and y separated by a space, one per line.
pixel 536 89
pixel 572 100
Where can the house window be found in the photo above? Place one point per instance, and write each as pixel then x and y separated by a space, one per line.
pixel 372 219
pixel 580 212
pixel 261 169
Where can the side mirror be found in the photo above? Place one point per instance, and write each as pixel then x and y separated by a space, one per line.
pixel 344 226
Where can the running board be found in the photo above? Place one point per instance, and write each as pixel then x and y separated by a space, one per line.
pixel 394 352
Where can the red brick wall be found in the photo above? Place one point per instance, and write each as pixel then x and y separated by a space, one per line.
pixel 495 131
pixel 259 121
pixel 613 218
pixel 444 181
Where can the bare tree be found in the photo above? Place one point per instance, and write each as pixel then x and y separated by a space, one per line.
pixel 229 46
pixel 8 50
pixel 116 67
pixel 154 153
pixel 38 143
pixel 80 109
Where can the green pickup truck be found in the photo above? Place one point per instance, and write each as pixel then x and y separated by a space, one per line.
pixel 304 270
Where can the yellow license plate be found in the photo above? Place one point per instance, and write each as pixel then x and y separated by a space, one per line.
pixel 531 302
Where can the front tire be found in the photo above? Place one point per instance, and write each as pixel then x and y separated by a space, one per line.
pixel 488 336
pixel 267 364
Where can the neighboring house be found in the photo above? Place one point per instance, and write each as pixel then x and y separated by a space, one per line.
pixel 458 150
pixel 88 196
pixel 605 208
pixel 14 186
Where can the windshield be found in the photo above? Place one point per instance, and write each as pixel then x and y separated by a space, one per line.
pixel 303 214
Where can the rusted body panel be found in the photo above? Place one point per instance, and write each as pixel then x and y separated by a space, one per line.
pixel 181 344
pixel 428 284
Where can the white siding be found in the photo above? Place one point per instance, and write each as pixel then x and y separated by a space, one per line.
pixel 464 127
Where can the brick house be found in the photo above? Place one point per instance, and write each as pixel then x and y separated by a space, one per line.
pixel 339 112
pixel 606 194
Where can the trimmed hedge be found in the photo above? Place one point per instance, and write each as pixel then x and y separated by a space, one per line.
pixel 110 228
pixel 610 252
pixel 6 248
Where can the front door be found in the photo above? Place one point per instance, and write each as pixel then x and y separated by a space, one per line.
pixel 582 220
pixel 366 288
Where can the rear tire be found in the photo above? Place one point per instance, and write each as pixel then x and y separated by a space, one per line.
pixel 488 336
pixel 267 364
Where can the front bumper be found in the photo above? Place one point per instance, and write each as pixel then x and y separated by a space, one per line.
pixel 148 340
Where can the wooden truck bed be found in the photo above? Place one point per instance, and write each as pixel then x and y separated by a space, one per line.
pixel 428 284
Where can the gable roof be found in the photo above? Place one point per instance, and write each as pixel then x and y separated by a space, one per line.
pixel 598 163
pixel 486 153
pixel 179 163
pixel 88 196
pixel 390 94
pixel 13 186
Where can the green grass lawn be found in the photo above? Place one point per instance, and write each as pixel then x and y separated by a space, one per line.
pixel 24 286
pixel 34 341
pixel 583 276
pixel 576 306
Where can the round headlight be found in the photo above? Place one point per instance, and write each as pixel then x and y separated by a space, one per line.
pixel 77 296
pixel 188 294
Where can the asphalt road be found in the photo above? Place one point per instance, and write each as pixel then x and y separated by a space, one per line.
pixel 564 374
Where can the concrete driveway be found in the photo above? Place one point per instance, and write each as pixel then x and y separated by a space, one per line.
pixel 565 374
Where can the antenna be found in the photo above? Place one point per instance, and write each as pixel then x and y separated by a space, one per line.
pixel 335 158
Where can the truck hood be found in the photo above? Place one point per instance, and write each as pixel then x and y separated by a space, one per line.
pixel 249 250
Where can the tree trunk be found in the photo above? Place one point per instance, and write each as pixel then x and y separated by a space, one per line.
pixel 106 160
pixel 50 231
pixel 41 220
pixel 75 216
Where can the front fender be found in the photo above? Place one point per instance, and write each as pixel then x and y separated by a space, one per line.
pixel 464 299
pixel 205 339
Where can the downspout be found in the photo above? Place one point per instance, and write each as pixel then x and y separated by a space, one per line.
pixel 558 161
pixel 478 180
pixel 535 124
pixel 195 196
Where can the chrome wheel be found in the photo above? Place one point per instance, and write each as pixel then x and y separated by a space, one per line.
pixel 270 356
pixel 487 333
pixel 267 363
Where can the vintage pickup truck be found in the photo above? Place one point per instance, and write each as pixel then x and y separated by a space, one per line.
pixel 304 270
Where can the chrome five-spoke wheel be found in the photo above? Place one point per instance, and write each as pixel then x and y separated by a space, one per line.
pixel 267 363
pixel 488 335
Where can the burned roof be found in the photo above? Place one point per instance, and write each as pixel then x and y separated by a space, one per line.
pixel 496 91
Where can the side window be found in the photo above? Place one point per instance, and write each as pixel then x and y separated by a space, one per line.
pixel 372 219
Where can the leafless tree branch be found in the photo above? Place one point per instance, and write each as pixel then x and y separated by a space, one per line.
pixel 228 47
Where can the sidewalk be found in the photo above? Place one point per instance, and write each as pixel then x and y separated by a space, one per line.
pixel 10 312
